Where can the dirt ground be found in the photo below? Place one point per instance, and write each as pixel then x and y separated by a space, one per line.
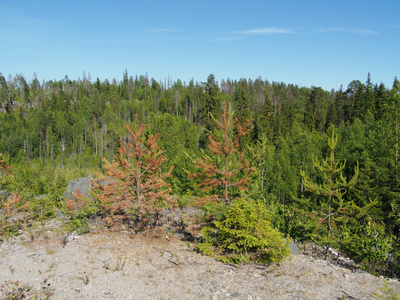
pixel 123 266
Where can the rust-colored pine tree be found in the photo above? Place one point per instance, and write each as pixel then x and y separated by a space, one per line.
pixel 227 168
pixel 135 181
pixel 11 204
pixel 80 202
pixel 4 168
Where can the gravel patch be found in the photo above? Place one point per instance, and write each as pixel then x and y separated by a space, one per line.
pixel 122 266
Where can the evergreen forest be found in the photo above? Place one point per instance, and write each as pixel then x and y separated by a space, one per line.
pixel 323 164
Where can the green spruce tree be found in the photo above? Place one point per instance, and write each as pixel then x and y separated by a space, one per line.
pixel 330 213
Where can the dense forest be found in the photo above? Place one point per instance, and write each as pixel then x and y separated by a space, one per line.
pixel 299 138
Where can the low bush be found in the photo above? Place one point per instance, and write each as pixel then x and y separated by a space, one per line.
pixel 244 235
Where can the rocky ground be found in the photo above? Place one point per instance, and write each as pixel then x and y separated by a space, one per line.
pixel 124 266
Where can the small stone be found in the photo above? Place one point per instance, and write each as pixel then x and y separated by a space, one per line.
pixel 249 297
pixel 69 238
pixel 294 248
pixel 235 295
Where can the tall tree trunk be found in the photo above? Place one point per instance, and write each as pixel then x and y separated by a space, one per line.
pixel 329 206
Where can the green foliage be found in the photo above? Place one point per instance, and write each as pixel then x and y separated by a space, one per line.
pixel 226 172
pixel 316 109
pixel 64 128
pixel 332 207
pixel 42 189
pixel 181 184
pixel 186 200
pixel 42 207
pixel 206 249
pixel 370 247
pixel 292 221
pixel 244 235
pixel 386 293
pixel 266 119
pixel 9 230
pixel 35 193
pixel 210 103
pixel 214 210
pixel 329 218
pixel 80 210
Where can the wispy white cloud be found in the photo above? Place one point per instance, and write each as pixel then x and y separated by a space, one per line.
pixel 266 31
pixel 360 31
pixel 357 31
pixel 276 30
pixel 328 29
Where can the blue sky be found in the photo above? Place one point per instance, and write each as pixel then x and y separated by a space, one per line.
pixel 308 43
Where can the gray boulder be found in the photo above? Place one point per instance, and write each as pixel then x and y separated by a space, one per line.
pixel 84 185
pixel 294 248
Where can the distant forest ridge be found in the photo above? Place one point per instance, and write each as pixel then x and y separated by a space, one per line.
pixel 75 111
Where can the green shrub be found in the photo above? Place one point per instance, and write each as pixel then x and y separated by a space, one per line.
pixel 80 210
pixel 370 247
pixel 186 200
pixel 214 211
pixel 244 235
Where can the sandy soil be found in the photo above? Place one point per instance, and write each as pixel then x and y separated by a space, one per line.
pixel 122 266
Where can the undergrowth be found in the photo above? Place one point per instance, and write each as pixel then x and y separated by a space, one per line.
pixel 245 234
pixel 387 293
pixel 15 290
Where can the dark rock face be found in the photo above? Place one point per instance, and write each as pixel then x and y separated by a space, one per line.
pixel 84 185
